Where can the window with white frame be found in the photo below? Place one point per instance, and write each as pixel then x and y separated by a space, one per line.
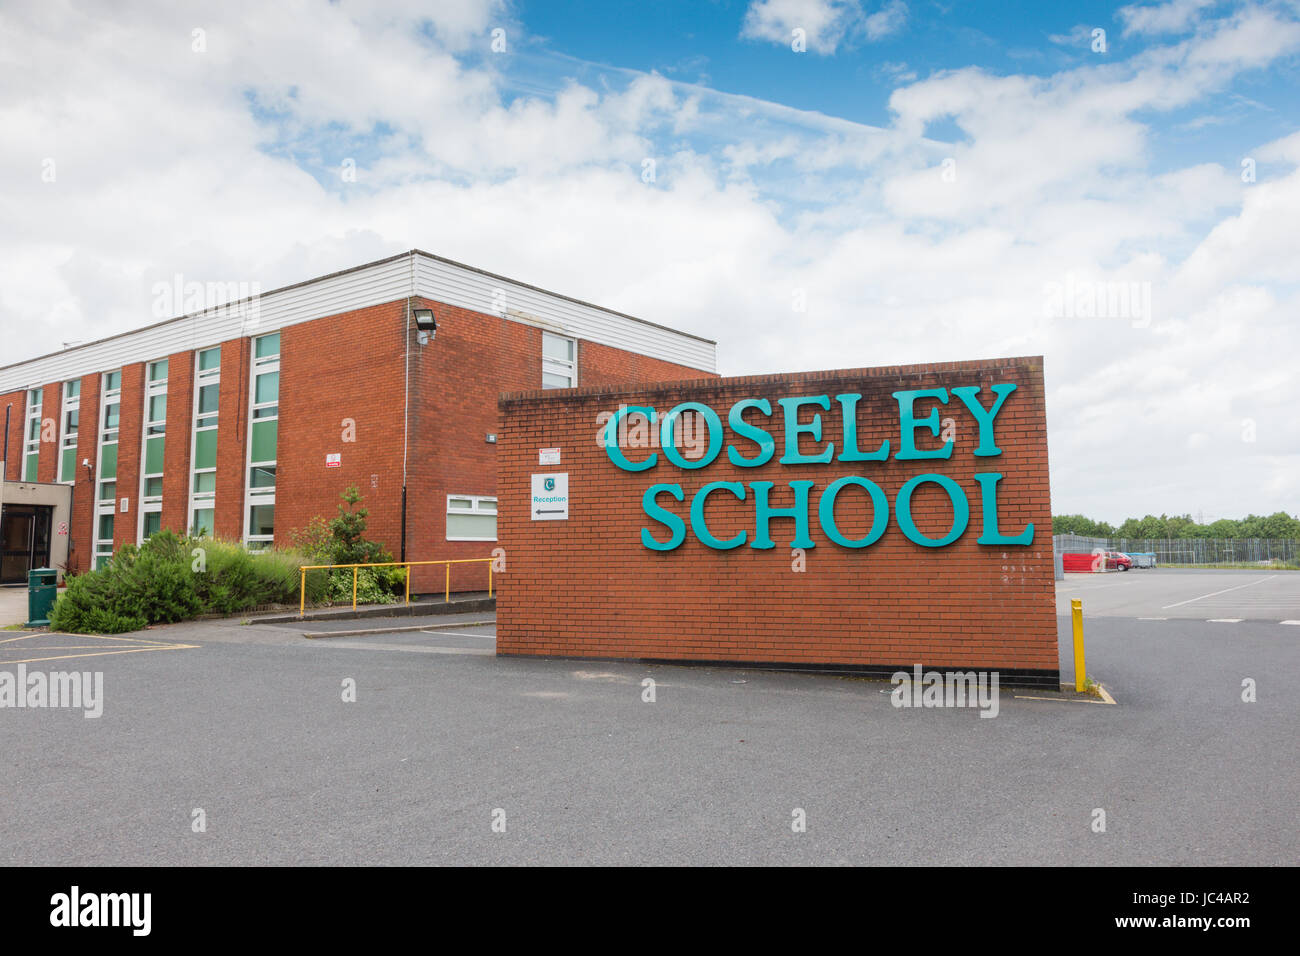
pixel 110 409
pixel 263 430
pixel 32 435
pixel 471 518
pixel 69 419
pixel 151 455
pixel 559 361
pixel 203 447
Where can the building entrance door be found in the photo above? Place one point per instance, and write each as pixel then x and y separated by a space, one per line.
pixel 24 541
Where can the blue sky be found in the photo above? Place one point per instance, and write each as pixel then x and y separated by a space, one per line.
pixel 922 180
pixel 700 42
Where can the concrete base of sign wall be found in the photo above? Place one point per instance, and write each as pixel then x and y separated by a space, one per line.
pixel 1007 677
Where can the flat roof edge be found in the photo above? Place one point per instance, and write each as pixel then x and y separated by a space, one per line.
pixel 234 303
pixel 811 376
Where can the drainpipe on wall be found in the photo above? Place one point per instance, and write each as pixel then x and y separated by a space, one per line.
pixel 4 462
pixel 406 402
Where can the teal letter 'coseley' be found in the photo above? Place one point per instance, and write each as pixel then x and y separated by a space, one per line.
pixel 967 394
pixel 611 438
pixel 908 423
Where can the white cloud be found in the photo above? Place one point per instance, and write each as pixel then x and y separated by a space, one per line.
pixel 826 24
pixel 1174 16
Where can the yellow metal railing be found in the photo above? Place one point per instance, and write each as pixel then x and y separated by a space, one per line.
pixel 302 579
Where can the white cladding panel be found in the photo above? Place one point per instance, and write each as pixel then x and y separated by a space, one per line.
pixel 382 282
pixel 446 282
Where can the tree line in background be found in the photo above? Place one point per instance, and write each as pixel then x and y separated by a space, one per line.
pixel 1279 525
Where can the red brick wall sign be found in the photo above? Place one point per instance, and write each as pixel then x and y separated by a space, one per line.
pixel 862 520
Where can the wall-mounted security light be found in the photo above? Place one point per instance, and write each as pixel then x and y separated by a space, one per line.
pixel 426 325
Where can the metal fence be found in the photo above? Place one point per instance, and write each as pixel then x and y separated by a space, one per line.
pixel 1175 551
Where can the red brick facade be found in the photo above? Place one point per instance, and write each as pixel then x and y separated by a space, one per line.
pixel 588 587
pixel 342 384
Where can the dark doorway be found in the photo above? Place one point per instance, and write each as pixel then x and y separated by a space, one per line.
pixel 24 541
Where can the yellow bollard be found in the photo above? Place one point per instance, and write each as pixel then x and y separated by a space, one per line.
pixel 447 597
pixel 354 587
pixel 1080 668
pixel 489 579
pixel 408 582
pixel 302 592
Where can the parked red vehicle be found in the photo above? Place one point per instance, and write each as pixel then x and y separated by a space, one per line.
pixel 1118 561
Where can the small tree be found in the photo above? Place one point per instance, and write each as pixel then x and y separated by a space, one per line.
pixel 349 530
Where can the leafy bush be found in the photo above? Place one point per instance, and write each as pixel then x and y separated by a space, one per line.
pixel 373 586
pixel 173 579
pixel 92 605
pixel 170 578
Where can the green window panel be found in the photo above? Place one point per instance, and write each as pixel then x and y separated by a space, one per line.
pixel 29 467
pixel 261 520
pixel 205 449
pixel 108 461
pixel 111 415
pixel 264 436
pixel 268 387
pixel 112 381
pixel 67 462
pixel 158 371
pixel 105 527
pixel 72 389
pixel 153 487
pixel 34 429
pixel 157 408
pixel 268 345
pixel 262 476
pixel 203 522
pixel 153 456
pixel 152 522
pixel 208 399
pixel 205 481
pixel 210 359
pixel 107 490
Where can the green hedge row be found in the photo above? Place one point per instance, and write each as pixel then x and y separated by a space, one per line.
pixel 169 579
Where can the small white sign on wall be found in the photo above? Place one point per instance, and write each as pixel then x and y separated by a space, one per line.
pixel 334 460
pixel 548 456
pixel 550 501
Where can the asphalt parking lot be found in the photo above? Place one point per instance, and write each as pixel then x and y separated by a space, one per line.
pixel 1176 594
pixel 249 724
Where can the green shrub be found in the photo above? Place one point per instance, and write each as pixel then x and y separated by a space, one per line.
pixel 173 579
pixel 372 586
pixel 93 603
pixel 170 578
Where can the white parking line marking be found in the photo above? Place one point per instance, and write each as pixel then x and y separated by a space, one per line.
pixel 1289 622
pixel 1153 619
pixel 1213 593
pixel 1224 620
